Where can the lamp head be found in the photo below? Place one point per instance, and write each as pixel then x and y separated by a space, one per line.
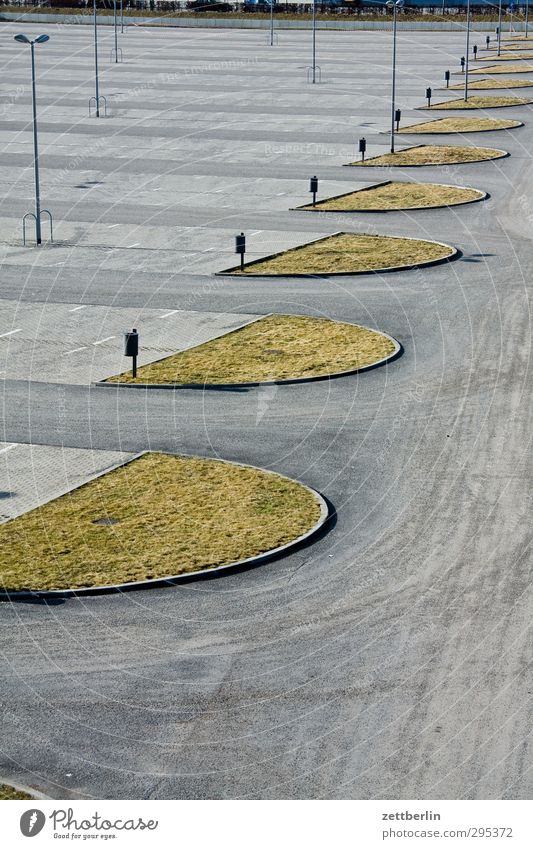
pixel 22 38
pixel 42 38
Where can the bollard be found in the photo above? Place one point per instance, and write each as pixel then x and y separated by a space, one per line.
pixel 398 118
pixel 362 148
pixel 131 349
pixel 313 187
pixel 428 95
pixel 474 51
pixel 447 78
pixel 240 247
pixel 487 41
pixel 463 62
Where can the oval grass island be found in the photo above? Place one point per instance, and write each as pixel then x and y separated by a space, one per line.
pixel 461 125
pixel 347 253
pixel 432 154
pixel 275 349
pixel 395 195
pixel 480 101
pixel 156 518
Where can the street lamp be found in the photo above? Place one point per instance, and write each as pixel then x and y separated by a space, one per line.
pixel 97 98
pixel 23 39
pixel 499 27
pixel 394 5
pixel 527 15
pixel 271 23
pixel 467 54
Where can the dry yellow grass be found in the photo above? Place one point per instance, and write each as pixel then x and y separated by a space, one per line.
pixel 173 515
pixel 348 253
pixel 479 101
pixel 9 793
pixel 278 347
pixel 461 125
pixel 432 154
pixel 504 69
pixel 494 84
pixel 511 57
pixel 397 195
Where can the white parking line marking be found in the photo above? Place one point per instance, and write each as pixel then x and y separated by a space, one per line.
pixel 8 448
pixel 110 226
pixel 75 309
pixel 74 351
pixel 135 245
pixel 256 232
pixel 167 314
pixel 10 332
pixel 101 341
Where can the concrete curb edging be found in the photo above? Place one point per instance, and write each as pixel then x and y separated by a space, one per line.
pixel 308 208
pixel 503 155
pixel 22 788
pixel 398 351
pixel 442 107
pixel 326 514
pixel 235 270
pixel 516 126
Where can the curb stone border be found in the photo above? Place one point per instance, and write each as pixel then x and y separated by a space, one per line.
pixel 503 155
pixel 439 107
pixel 516 126
pixel 308 208
pixel 234 271
pixel 326 514
pixel 23 788
pixel 398 351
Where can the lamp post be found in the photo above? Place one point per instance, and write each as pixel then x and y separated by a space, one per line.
pixel 22 39
pixel 394 5
pixel 96 93
pixel 121 16
pixel 527 16
pixel 499 27
pixel 467 54
pixel 116 29
pixel 314 42
pixel 271 23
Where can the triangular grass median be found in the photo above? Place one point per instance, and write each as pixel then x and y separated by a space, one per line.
pixel 461 125
pixel 432 154
pixel 275 348
pixel 348 253
pixel 394 195
pixel 504 69
pixel 493 84
pixel 158 516
pixel 481 101
pixel 501 58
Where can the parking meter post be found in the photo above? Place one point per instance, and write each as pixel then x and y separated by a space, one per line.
pixel 240 247
pixel 131 349
pixel 313 188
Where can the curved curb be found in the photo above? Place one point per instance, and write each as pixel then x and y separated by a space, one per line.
pixel 22 788
pixel 234 272
pixel 307 208
pixel 516 126
pixel 287 381
pixel 470 108
pixel 326 514
pixel 502 155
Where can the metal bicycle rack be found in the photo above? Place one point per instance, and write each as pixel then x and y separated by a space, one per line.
pixel 32 215
pixel 94 103
pixel 314 75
